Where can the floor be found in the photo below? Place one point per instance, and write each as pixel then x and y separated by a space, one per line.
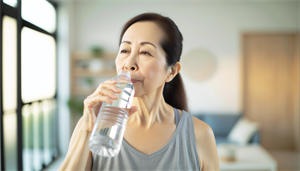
pixel 287 160
pixel 55 165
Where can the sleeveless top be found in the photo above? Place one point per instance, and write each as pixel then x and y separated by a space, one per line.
pixel 179 154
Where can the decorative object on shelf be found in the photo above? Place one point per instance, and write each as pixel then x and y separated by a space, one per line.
pixel 82 64
pixel 96 64
pixel 84 80
pixel 89 81
pixel 97 51
pixel 76 105
pixel 199 64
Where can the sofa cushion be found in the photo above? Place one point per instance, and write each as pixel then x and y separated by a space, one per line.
pixel 243 131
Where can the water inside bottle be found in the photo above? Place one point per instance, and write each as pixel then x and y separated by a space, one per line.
pixel 106 139
pixel 125 98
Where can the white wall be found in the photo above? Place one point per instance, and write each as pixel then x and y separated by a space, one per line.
pixel 216 26
pixel 63 43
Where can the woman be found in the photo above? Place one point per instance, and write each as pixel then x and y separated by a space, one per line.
pixel 160 134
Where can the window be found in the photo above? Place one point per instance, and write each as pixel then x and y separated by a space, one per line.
pixel 46 18
pixel 38 65
pixel 9 92
pixel 9 59
pixel 12 3
pixel 28 109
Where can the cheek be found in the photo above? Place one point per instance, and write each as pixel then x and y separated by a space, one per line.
pixel 155 72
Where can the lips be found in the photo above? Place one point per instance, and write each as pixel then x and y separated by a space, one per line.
pixel 134 80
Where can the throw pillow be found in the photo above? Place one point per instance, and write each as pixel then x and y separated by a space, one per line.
pixel 242 131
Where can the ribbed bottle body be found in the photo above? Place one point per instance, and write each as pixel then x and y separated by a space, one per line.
pixel 109 128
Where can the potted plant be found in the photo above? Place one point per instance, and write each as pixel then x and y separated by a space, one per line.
pixel 96 64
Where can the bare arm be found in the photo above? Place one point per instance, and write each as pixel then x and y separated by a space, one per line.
pixel 79 156
pixel 206 146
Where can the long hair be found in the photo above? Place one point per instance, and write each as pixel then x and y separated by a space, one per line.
pixel 174 93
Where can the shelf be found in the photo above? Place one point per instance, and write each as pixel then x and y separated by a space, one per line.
pixel 84 78
pixel 88 73
pixel 89 56
pixel 83 91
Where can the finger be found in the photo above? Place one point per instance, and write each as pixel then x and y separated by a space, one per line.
pixel 110 93
pixel 112 87
pixel 104 84
pixel 109 86
pixel 132 110
pixel 107 82
pixel 110 81
pixel 98 99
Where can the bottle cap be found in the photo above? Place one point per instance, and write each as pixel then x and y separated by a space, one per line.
pixel 124 74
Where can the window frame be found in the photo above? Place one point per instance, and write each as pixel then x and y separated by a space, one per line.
pixel 15 12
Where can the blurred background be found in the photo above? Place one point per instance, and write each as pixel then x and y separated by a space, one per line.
pixel 240 67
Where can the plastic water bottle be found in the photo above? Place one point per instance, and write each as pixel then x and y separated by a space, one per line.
pixel 107 135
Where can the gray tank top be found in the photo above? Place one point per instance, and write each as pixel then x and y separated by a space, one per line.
pixel 180 153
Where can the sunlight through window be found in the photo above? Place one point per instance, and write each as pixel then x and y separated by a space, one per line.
pixel 37 136
pixel 12 3
pixel 9 65
pixel 38 66
pixel 10 140
pixel 27 137
pixel 40 13
pixel 46 109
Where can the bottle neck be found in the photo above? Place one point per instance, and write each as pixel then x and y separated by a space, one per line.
pixel 124 77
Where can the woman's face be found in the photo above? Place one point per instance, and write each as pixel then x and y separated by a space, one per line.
pixel 140 53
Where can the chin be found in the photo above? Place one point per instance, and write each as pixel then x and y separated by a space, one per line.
pixel 137 91
pixel 136 94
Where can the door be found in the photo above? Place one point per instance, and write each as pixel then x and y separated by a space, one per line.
pixel 271 87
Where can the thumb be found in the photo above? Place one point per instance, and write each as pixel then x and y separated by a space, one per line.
pixel 132 110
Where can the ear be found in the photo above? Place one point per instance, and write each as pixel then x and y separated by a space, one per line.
pixel 173 71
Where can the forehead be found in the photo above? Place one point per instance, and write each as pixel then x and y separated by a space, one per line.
pixel 144 31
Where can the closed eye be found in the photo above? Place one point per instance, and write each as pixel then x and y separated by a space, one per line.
pixel 143 52
pixel 146 53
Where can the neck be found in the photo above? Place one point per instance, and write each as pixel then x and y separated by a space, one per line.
pixel 152 109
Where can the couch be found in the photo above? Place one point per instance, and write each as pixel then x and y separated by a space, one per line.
pixel 222 124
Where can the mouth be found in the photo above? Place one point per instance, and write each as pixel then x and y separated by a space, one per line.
pixel 134 80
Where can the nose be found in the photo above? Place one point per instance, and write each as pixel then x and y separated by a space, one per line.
pixel 132 68
pixel 131 65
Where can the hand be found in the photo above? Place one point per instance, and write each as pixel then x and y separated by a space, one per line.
pixel 106 92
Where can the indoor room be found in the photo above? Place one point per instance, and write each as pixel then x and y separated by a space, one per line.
pixel 239 65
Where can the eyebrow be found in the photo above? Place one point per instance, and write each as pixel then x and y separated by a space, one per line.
pixel 142 43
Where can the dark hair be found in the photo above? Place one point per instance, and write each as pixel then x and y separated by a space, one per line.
pixel 174 93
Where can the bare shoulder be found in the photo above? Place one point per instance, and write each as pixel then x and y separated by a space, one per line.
pixel 202 129
pixel 206 145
